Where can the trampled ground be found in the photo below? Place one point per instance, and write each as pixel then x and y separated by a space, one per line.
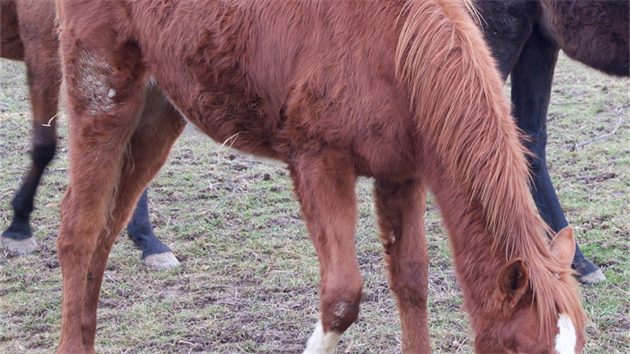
pixel 249 275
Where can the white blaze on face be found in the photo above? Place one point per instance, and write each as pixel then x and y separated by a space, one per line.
pixel 567 337
pixel 320 342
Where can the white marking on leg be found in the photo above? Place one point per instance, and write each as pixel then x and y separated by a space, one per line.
pixel 340 309
pixel 320 342
pixel 566 338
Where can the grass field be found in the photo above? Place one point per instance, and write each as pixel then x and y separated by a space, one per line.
pixel 248 276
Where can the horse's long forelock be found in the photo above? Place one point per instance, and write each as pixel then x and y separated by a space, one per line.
pixel 455 90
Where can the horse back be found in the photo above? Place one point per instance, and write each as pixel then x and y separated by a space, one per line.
pixel 269 78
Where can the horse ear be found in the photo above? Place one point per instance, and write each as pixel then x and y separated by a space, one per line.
pixel 563 247
pixel 513 280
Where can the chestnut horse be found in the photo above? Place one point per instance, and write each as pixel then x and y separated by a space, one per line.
pixel 405 92
pixel 525 37
pixel 28 34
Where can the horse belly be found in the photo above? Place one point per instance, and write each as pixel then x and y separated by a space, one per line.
pixel 201 70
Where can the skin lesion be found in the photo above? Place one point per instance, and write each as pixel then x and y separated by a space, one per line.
pixel 96 95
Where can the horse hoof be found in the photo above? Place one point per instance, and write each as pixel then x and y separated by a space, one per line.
pixel 19 247
pixel 161 261
pixel 592 278
pixel 587 272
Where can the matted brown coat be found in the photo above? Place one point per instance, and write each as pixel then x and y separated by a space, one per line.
pixel 402 91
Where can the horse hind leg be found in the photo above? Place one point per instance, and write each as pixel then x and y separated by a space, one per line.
pixel 400 208
pixel 104 99
pixel 325 187
pixel 155 254
pixel 44 82
pixel 148 150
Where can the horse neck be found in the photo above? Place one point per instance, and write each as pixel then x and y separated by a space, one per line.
pixel 478 253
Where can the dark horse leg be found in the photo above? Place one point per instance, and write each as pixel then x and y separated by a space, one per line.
pixel 531 87
pixel 155 254
pixel 38 47
pixel 17 239
pixel 520 48
pixel 43 81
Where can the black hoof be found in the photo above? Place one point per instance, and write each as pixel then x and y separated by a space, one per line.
pixel 19 247
pixel 18 239
pixel 161 261
pixel 587 272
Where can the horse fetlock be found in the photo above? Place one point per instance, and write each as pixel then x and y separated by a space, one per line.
pixel 20 228
pixel 322 341
pixel 340 315
pixel 336 317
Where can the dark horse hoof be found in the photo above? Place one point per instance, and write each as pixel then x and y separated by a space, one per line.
pixel 161 261
pixel 587 272
pixel 18 247
pixel 18 239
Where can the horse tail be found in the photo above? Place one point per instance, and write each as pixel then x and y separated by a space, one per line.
pixel 464 118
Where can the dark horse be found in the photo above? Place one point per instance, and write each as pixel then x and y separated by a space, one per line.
pixel 525 37
pixel 405 92
pixel 28 34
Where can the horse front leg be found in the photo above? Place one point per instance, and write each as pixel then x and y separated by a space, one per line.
pixel 324 182
pixel 531 88
pixel 400 207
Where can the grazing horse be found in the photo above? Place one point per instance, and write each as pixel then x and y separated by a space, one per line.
pixel 525 37
pixel 28 34
pixel 405 92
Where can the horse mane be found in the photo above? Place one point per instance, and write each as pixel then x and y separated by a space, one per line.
pixel 472 10
pixel 456 94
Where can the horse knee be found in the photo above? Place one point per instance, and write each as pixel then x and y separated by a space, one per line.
pixel 409 282
pixel 340 305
